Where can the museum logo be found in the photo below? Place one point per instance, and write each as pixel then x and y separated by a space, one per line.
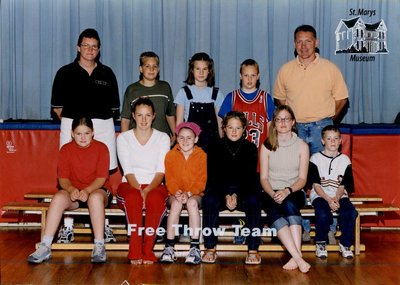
pixel 361 39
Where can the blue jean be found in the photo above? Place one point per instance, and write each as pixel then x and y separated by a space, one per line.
pixel 311 133
pixel 307 225
pixel 323 218
pixel 287 213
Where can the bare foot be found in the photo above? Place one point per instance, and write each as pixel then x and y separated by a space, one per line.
pixel 136 261
pixel 290 265
pixel 303 265
pixel 147 262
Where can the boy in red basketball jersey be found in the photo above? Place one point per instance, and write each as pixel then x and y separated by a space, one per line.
pixel 256 104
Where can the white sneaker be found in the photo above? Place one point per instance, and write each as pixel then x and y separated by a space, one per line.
pixel 194 256
pixel 345 251
pixel 108 234
pixel 41 254
pixel 99 253
pixel 168 255
pixel 320 250
pixel 65 235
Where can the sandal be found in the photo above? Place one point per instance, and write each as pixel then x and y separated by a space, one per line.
pixel 253 258
pixel 209 256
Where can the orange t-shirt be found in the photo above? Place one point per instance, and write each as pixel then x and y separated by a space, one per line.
pixel 186 175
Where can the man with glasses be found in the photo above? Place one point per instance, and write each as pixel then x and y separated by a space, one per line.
pixel 314 88
pixel 87 88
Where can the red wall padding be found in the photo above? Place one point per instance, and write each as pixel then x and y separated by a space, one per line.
pixel 376 169
pixel 28 163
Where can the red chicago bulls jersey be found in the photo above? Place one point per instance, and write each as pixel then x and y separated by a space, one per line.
pixel 255 112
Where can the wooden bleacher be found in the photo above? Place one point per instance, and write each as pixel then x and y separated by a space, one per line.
pixel 366 205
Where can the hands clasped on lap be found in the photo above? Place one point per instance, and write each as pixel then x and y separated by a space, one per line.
pixel 81 195
pixel 231 201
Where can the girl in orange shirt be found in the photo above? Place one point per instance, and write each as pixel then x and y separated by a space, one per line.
pixel 186 176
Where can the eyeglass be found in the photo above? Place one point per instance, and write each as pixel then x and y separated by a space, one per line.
pixel 87 46
pixel 278 120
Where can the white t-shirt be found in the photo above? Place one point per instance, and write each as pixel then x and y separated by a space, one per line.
pixel 144 161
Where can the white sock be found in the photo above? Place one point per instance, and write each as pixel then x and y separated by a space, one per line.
pixel 99 241
pixel 106 223
pixel 47 240
pixel 69 222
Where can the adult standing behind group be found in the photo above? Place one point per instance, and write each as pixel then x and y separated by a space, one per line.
pixel 158 91
pixel 87 88
pixel 312 86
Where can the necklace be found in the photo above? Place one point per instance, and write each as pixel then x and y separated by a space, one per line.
pixel 233 153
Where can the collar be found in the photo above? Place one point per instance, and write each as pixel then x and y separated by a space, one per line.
pixel 315 61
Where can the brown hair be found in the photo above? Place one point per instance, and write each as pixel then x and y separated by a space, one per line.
pixel 330 128
pixel 90 34
pixel 235 115
pixel 83 121
pixel 142 101
pixel 201 56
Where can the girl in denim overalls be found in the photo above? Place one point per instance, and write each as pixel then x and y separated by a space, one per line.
pixel 199 101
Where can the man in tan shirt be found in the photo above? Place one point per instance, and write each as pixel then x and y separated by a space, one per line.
pixel 312 86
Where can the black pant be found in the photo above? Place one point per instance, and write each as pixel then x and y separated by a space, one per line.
pixel 250 204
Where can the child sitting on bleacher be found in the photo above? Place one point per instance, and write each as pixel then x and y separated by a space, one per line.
pixel 332 180
pixel 186 176
pixel 83 177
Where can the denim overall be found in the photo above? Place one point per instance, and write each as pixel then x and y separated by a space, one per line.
pixel 204 115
